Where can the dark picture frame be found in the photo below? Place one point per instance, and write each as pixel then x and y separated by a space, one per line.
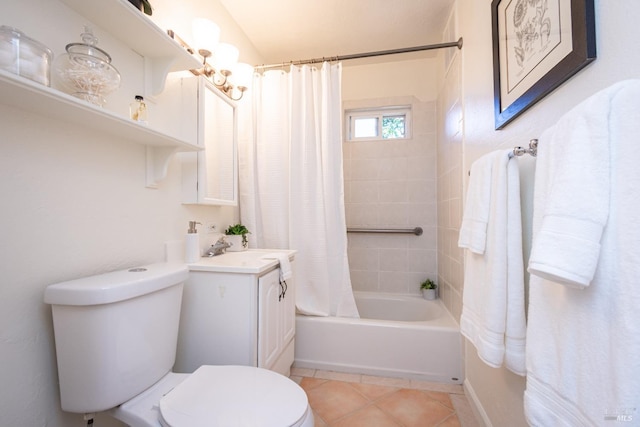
pixel 534 51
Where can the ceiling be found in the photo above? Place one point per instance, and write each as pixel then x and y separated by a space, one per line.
pixel 291 30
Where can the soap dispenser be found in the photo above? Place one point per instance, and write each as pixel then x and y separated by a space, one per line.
pixel 192 243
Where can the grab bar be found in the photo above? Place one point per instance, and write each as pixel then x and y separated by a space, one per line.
pixel 417 230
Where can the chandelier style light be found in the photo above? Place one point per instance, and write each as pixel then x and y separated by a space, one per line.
pixel 219 60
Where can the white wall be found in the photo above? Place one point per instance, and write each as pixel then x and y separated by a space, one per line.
pixel 74 203
pixel 499 392
pixel 394 75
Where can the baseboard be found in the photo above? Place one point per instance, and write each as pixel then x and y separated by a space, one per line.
pixel 476 406
pixel 373 371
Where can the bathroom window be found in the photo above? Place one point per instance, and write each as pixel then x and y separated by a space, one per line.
pixel 378 124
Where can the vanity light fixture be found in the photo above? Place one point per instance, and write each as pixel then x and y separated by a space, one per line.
pixel 224 70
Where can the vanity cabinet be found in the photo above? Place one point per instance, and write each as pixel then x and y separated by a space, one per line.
pixel 237 314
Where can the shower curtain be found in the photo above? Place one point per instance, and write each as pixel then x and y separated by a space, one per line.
pixel 291 184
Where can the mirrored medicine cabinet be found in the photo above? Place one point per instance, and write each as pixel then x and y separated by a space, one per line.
pixel 210 176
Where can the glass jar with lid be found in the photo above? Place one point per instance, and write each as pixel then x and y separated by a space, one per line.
pixel 85 71
pixel 23 56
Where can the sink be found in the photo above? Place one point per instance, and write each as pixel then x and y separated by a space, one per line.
pixel 250 261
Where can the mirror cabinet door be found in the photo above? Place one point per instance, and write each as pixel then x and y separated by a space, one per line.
pixel 217 164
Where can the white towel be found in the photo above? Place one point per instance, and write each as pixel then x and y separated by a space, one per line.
pixel 473 231
pixel 493 316
pixel 583 340
pixel 570 222
pixel 285 265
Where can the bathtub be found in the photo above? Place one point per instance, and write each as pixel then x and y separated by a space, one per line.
pixel 396 336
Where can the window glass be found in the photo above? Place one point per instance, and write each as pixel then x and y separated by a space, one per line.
pixel 365 127
pixel 393 126
pixel 378 124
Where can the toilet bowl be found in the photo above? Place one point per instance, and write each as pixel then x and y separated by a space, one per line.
pixel 126 323
pixel 219 396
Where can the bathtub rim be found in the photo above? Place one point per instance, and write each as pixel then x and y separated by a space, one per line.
pixel 445 321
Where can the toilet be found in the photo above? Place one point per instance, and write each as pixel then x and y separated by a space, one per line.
pixel 116 336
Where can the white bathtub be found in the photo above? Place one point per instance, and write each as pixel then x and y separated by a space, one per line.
pixel 396 336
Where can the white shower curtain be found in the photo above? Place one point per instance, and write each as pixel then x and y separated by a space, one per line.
pixel 291 185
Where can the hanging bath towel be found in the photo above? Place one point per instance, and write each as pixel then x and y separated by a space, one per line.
pixel 493 317
pixel 583 337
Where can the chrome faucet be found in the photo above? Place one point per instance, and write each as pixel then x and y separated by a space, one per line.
pixel 219 247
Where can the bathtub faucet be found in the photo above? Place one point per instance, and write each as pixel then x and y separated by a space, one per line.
pixel 219 247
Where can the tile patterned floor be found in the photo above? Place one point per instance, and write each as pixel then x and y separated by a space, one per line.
pixel 353 400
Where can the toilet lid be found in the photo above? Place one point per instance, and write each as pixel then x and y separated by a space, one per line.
pixel 234 396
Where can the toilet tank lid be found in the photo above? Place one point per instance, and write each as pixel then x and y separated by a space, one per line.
pixel 117 285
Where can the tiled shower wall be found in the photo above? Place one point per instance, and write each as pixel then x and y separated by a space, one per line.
pixel 450 194
pixel 392 184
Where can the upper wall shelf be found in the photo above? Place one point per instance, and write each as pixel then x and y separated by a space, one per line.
pixel 22 93
pixel 118 17
pixel 30 96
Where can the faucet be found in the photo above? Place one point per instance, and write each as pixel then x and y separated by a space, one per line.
pixel 219 247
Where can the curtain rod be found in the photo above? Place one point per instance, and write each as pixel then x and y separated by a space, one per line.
pixel 457 44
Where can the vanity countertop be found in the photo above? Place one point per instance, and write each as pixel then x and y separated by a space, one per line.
pixel 252 261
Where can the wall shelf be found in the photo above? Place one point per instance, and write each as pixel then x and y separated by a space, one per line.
pixel 161 54
pixel 133 28
pixel 26 95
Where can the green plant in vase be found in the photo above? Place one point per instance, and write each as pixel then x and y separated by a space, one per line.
pixel 239 230
pixel 428 288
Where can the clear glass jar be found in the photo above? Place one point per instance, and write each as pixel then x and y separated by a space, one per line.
pixel 24 56
pixel 85 71
pixel 138 110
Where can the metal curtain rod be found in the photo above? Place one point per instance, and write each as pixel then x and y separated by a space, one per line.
pixel 417 230
pixel 457 44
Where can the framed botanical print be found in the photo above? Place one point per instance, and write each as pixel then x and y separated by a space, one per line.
pixel 537 45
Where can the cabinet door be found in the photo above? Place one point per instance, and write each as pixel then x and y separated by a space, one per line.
pixel 288 309
pixel 269 319
pixel 217 164
pixel 210 177
pixel 219 322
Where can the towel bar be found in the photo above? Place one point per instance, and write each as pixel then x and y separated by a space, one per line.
pixel 520 151
pixel 532 150
pixel 417 230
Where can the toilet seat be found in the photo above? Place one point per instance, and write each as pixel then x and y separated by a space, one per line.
pixel 235 396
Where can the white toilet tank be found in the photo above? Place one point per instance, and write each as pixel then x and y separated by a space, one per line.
pixel 115 333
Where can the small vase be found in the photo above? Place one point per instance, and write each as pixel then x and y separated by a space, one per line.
pixel 429 294
pixel 137 4
pixel 236 243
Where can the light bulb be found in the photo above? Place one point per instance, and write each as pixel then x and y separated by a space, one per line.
pixel 225 57
pixel 242 75
pixel 206 35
